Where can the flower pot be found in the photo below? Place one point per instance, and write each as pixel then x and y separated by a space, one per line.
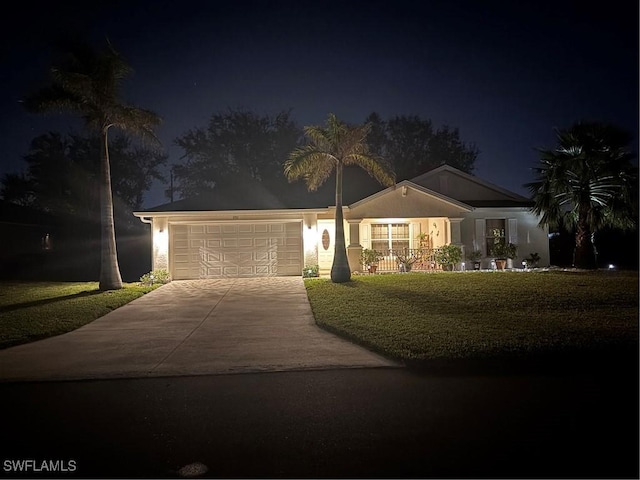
pixel 501 264
pixel 373 268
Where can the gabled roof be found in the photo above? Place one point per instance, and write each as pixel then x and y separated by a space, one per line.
pixel 469 189
pixel 414 186
pixel 460 190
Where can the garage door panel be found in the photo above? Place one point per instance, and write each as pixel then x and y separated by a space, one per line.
pixel 230 271
pixel 236 250
pixel 261 257
pixel 260 242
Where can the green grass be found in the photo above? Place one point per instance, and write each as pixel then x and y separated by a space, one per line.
pixel 34 310
pixel 481 315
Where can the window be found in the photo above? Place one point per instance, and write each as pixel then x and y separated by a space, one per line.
pixel 391 236
pixel 495 231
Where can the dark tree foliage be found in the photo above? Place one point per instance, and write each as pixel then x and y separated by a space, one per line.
pixel 587 184
pixel 62 175
pixel 414 146
pixel 234 145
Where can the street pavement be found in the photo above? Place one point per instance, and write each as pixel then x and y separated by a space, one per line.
pixel 337 423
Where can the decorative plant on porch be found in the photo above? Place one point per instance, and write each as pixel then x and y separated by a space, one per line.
pixel 448 256
pixel 369 259
pixel 474 257
pixel 406 259
pixel 501 251
pixel 532 260
pixel 332 148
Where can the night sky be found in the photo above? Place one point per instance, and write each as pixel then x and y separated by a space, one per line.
pixel 505 73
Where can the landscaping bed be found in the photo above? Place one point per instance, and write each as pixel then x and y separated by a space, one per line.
pixel 485 318
pixel 34 310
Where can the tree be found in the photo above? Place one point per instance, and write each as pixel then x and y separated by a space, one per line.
pixel 62 175
pixel 585 184
pixel 332 148
pixel 414 146
pixel 236 144
pixel 87 83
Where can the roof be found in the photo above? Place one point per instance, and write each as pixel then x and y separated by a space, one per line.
pixel 248 194
pixel 469 189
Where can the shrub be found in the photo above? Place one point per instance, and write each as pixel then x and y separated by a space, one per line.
pixel 155 277
pixel 310 271
pixel 448 256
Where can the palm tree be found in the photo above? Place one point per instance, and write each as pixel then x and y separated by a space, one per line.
pixel 334 147
pixel 87 83
pixel 585 184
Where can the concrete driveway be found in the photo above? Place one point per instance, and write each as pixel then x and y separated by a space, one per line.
pixel 193 327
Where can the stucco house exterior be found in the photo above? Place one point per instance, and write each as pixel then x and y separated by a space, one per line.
pixel 235 233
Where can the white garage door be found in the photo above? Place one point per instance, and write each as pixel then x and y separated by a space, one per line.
pixel 236 250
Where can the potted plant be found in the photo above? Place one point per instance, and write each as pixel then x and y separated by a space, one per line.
pixel 475 257
pixel 532 260
pixel 502 251
pixel 406 259
pixel 448 256
pixel 369 259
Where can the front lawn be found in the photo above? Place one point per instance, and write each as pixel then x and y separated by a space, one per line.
pixel 34 310
pixel 446 316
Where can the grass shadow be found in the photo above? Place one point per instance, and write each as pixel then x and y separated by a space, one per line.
pixel 47 301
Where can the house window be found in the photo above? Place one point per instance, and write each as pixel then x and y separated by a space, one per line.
pixel 389 236
pixel 495 232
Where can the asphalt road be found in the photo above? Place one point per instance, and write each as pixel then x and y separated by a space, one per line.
pixel 328 424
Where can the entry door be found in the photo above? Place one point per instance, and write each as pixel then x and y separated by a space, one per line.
pixel 326 245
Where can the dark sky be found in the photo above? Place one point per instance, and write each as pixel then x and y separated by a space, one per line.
pixel 505 73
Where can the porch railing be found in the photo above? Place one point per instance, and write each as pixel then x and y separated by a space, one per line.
pixel 408 259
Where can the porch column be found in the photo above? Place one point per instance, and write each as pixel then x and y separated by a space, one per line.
pixel 354 250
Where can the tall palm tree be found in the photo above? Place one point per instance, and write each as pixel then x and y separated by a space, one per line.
pixel 87 83
pixel 332 148
pixel 585 184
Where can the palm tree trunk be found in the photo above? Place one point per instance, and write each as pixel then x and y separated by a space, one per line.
pixel 110 278
pixel 584 254
pixel 340 271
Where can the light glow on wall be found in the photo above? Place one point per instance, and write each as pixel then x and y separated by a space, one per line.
pixel 160 249
pixel 310 243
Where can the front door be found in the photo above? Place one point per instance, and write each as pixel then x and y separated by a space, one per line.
pixel 326 245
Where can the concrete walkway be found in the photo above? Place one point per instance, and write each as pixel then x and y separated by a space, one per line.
pixel 193 327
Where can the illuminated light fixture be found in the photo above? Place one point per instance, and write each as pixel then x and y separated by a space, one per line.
pixel 611 266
